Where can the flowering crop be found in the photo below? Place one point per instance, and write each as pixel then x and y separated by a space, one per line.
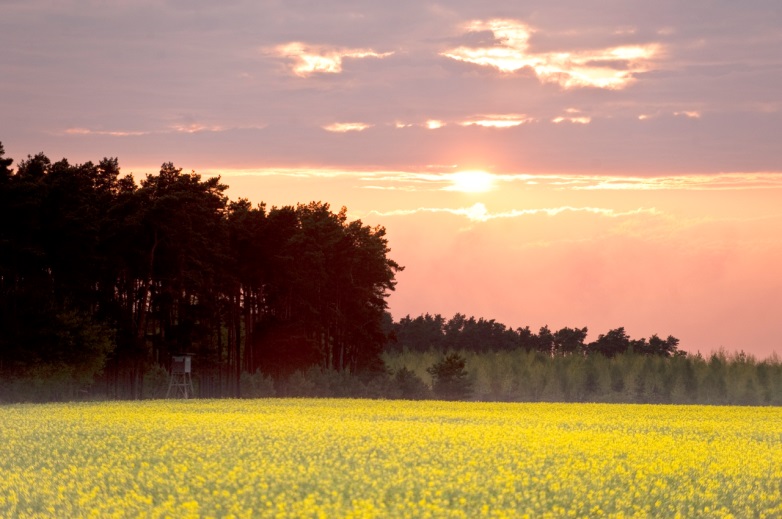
pixel 358 458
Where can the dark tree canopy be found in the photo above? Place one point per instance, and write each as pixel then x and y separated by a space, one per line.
pixel 5 165
pixel 102 279
pixel 461 333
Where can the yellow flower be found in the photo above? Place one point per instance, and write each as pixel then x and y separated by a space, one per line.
pixel 354 458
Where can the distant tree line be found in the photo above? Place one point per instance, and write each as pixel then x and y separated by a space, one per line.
pixel 478 359
pixel 531 376
pixel 102 279
pixel 460 333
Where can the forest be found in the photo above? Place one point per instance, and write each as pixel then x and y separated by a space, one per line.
pixel 103 279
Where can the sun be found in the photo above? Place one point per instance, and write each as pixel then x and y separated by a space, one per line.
pixel 474 181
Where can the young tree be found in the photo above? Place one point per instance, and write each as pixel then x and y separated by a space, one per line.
pixel 450 379
pixel 410 385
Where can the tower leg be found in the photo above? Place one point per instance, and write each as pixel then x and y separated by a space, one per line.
pixel 182 385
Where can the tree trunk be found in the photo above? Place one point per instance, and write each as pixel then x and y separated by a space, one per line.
pixel 238 344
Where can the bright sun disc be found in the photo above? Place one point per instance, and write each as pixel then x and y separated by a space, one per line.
pixel 471 182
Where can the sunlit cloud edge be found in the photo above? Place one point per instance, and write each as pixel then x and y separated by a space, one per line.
pixel 510 53
pixel 345 127
pixel 478 212
pixel 174 128
pixel 310 59
pixel 443 180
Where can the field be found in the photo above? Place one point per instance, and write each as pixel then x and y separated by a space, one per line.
pixel 360 458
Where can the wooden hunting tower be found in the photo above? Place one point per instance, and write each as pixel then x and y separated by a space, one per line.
pixel 181 382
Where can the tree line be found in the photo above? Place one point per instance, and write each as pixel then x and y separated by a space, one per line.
pixel 478 359
pixel 720 378
pixel 102 279
pixel 460 333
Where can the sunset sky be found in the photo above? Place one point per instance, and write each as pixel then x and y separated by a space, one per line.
pixel 569 163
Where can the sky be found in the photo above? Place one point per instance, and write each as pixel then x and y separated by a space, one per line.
pixel 551 162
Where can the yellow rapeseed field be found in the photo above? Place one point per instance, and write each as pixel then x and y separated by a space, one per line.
pixel 360 458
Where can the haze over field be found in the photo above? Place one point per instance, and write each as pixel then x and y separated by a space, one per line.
pixel 604 164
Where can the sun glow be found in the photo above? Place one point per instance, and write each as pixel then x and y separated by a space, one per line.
pixel 471 181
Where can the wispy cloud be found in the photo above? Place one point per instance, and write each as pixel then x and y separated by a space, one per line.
pixel 483 120
pixel 173 128
pixel 449 178
pixel 346 127
pixel 196 128
pixel 611 68
pixel 294 172
pixel 498 120
pixel 572 119
pixel 572 115
pixel 722 181
pixel 112 133
pixel 692 114
pixel 313 59
pixel 479 213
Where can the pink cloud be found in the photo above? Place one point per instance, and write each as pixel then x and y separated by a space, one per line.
pixel 610 68
pixel 308 59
